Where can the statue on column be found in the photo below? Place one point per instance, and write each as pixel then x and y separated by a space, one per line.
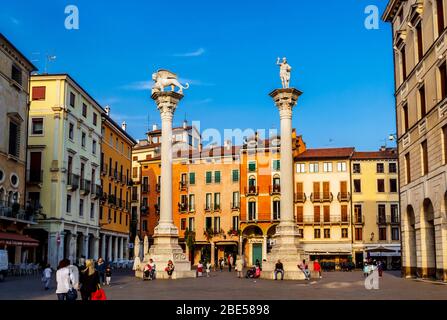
pixel 284 72
pixel 165 78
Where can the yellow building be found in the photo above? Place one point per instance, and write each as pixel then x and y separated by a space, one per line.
pixel 64 144
pixel 375 207
pixel 116 165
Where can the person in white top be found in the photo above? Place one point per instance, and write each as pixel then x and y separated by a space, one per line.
pixel 64 279
pixel 208 269
pixel 46 276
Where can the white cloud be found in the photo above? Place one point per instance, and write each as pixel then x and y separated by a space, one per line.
pixel 15 21
pixel 196 53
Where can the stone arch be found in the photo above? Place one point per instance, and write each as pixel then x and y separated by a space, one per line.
pixel 428 240
pixel 251 180
pixel 252 230
pixel 409 235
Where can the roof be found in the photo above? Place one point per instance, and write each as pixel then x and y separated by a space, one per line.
pixel 385 154
pixel 391 10
pixel 158 131
pixel 119 128
pixel 3 37
pixel 328 153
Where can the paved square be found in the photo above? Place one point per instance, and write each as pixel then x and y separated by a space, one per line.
pixel 225 286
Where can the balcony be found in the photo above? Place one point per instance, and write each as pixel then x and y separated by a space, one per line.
pixel 14 212
pixel 382 219
pixel 144 188
pixel 183 207
pixel 85 186
pixel 251 191
pixel 305 220
pixel 344 197
pixel 395 219
pixel 208 207
pixel 34 176
pixel 72 182
pixel 129 182
pixel 275 189
pixel 158 187
pixel 359 219
pixel 321 197
pixel 96 191
pixel 183 186
pixel 144 210
pixel 112 200
pixel 104 169
pixel 103 198
pixel 235 206
pixel 300 197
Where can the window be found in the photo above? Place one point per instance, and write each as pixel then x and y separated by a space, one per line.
pixel 313 168
pixel 276 210
pixel 317 214
pixel 92 210
pixel 407 167
pixel 393 185
pixel 235 223
pixel 144 225
pixel 71 131
pixel 94 147
pixel 109 216
pixel 252 166
pixel 14 139
pixel 72 99
pixel 442 80
pixel 344 233
pixel 327 167
pixel 327 233
pixel 380 168
pixel 440 16
pixel 216 224
pixel 357 185
pixel 191 224
pixel 16 74
pixel 392 167
pixel 209 177
pixel 403 61
pixel 114 216
pixel 127 220
pixel 101 212
pixel 37 126
pixel 38 93
pixel 217 201
pixel 192 178
pixel 341 166
pixel 276 165
pixel 358 216
pixel 344 213
pixel 208 223
pixel 192 203
pixel 217 177
pixel 84 110
pixel 235 200
pixel 358 234
pixel 394 213
pixel 327 214
pixel 83 138
pixel 424 151
pixel 356 168
pixel 300 168
pixel 183 224
pixel 68 203
pixel 317 233
pixel 382 234
pixel 444 135
pixel 235 175
pixel 422 104
pixel 95 119
pixel 395 234
pixel 251 210
pixel 208 201
pixel 81 207
pixel 381 213
pixel 405 118
pixel 380 185
pixel 420 48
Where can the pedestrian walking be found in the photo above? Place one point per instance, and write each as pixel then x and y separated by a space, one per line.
pixel 239 268
pixel 221 264
pixel 108 274
pixel 46 276
pixel 279 268
pixel 230 262
pixel 380 267
pixel 317 268
pixel 66 282
pixel 208 269
pixel 200 269
pixel 101 268
pixel 89 280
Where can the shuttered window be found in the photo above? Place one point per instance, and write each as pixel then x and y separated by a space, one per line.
pixel 217 177
pixel 235 175
pixel 14 139
pixel 209 176
pixel 344 213
pixel 299 214
pixel 192 178
pixel 327 214
pixel 317 214
pixel 38 93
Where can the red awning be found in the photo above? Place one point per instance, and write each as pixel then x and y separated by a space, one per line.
pixel 13 239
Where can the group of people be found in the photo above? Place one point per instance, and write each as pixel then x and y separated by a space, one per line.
pixel 86 277
pixel 369 266
pixel 303 266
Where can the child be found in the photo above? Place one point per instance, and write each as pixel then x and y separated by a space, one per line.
pixel 108 274
pixel 208 269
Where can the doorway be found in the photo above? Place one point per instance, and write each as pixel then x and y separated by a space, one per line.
pixel 257 252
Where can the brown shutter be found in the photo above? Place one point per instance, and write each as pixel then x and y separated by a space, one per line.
pixel 344 213
pixel 38 93
pixel 316 214
pixel 299 187
pixel 326 187
pixel 316 190
pixel 299 214
pixel 327 214
pixel 343 187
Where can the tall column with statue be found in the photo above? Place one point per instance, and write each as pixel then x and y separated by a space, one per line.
pixel 287 247
pixel 166 234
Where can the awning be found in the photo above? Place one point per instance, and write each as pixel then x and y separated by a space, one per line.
pixel 226 243
pixel 328 253
pixel 380 249
pixel 13 239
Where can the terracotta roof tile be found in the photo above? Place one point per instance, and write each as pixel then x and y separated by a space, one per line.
pixel 328 153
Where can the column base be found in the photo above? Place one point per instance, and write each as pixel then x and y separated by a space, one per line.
pixel 286 249
pixel 166 248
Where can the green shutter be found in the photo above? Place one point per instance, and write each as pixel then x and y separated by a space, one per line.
pixel 252 167
pixel 235 175
pixel 217 177
pixel 276 165
pixel 208 177
pixel 192 178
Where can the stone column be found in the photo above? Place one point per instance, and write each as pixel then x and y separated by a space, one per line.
pixel 86 246
pixel 121 254
pixel 72 249
pixel 115 251
pixel 109 250
pixel 213 252
pixel 286 247
pixel 95 255
pixel 264 247
pixel 103 246
pixel 166 234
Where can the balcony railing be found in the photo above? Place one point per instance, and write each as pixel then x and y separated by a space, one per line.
pixel 395 219
pixel 300 197
pixel 34 176
pixel 344 196
pixel 183 207
pixel 104 169
pixel 275 189
pixel 16 212
pixel 85 186
pixel 96 191
pixel 251 191
pixel 305 220
pixel 208 207
pixel 235 205
pixel 321 197
pixel 72 181
pixel 382 219
pixel 359 219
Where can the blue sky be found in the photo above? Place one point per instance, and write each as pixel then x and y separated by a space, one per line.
pixel 227 51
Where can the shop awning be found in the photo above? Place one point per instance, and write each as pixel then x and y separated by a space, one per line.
pixel 226 243
pixel 13 239
pixel 329 253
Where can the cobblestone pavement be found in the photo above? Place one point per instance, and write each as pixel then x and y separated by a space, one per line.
pixel 225 286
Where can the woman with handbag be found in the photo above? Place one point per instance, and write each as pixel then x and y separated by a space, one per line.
pixel 89 280
pixel 65 280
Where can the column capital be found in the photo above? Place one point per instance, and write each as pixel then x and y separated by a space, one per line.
pixel 285 100
pixel 167 102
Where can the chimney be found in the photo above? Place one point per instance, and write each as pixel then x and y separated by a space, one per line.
pixel 107 110
pixel 383 148
pixel 154 127
pixel 124 125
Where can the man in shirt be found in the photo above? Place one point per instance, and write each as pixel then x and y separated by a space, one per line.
pixel 279 268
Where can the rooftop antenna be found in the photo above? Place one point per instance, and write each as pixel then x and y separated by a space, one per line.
pixel 49 58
